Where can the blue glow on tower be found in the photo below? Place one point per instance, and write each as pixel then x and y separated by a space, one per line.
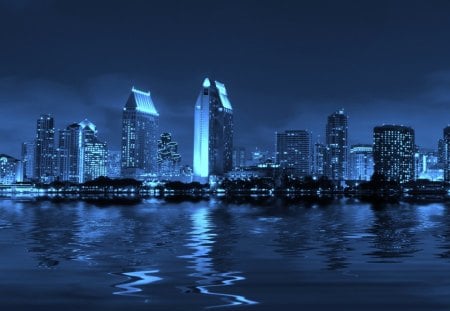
pixel 213 131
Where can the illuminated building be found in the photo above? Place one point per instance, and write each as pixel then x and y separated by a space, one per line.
pixel 427 165
pixel 361 162
pixel 168 157
pixel 113 165
pixel 393 152
pixel 318 159
pixel 294 152
pixel 10 170
pixel 139 136
pixel 95 157
pixel 28 149
pixel 336 146
pixel 239 157
pixel 441 151
pixel 69 153
pixel 44 156
pixel 82 156
pixel 213 131
pixel 446 153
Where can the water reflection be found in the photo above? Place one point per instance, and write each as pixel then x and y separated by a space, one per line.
pixel 210 280
pixel 394 233
pixel 137 279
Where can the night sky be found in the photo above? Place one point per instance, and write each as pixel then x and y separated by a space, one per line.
pixel 286 65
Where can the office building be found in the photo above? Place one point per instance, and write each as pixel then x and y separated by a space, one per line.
pixel 213 131
pixel 10 170
pixel 139 151
pixel 336 157
pixel 393 152
pixel 361 162
pixel 44 156
pixel 294 152
pixel 169 159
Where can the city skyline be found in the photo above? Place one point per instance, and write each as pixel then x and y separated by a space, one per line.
pixel 83 63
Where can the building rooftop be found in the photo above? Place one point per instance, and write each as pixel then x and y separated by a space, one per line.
pixel 141 101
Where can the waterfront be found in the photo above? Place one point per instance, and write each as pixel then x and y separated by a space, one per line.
pixel 342 254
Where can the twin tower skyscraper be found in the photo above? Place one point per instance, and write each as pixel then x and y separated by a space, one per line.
pixel 213 134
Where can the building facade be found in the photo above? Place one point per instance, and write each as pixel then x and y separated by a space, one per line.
pixel 169 159
pixel 361 162
pixel 393 152
pixel 336 136
pixel 140 122
pixel 213 131
pixel 113 165
pixel 70 153
pixel 446 153
pixel 44 155
pixel 10 170
pixel 294 152
pixel 82 156
pixel 319 153
pixel 239 157
pixel 28 157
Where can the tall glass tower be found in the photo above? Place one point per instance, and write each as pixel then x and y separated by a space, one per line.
pixel 82 156
pixel 139 152
pixel 213 131
pixel 336 146
pixel 393 152
pixel 44 161
pixel 294 152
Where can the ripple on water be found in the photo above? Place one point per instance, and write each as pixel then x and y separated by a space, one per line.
pixel 136 280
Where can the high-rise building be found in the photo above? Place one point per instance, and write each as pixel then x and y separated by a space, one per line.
pixel 446 153
pixel 44 156
pixel 139 136
pixel 361 162
pixel 427 165
pixel 168 157
pixel 393 152
pixel 113 165
pixel 294 152
pixel 10 170
pixel 239 157
pixel 336 146
pixel 95 157
pixel 319 153
pixel 82 156
pixel 213 131
pixel 70 153
pixel 28 149
pixel 441 153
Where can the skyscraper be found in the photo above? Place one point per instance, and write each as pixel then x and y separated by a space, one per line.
pixel 393 152
pixel 113 165
pixel 446 153
pixel 361 162
pixel 213 131
pixel 44 161
pixel 294 152
pixel 28 149
pixel 336 146
pixel 82 155
pixel 239 157
pixel 319 159
pixel 139 136
pixel 10 169
pixel 70 153
pixel 168 157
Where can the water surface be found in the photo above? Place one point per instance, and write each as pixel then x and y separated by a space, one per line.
pixel 155 255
